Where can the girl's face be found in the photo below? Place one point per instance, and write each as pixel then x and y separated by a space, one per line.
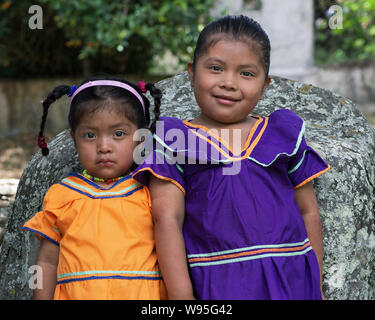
pixel 104 142
pixel 228 81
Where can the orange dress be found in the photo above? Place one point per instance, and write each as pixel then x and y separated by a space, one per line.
pixel 106 239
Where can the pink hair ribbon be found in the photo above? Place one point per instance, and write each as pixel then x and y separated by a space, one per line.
pixel 111 83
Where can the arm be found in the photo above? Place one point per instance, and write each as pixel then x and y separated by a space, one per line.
pixel 48 257
pixel 307 203
pixel 168 211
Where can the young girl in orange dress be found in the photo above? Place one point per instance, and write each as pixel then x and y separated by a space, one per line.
pixel 96 231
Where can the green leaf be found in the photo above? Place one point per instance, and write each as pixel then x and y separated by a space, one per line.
pixel 371 31
pixel 358 43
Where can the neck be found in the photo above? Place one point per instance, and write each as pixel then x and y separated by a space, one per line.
pixel 202 119
pixel 96 179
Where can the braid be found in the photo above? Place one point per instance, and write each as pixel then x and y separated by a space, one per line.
pixel 147 111
pixel 157 95
pixel 51 98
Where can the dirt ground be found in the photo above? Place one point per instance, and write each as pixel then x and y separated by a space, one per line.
pixel 15 153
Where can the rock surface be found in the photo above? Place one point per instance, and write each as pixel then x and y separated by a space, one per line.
pixel 8 189
pixel 346 193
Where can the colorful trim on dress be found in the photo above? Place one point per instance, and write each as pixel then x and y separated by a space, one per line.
pixel 249 253
pixel 103 193
pixel 108 274
pixel 41 234
pixel 221 141
pixel 248 149
pixel 163 178
pixel 298 164
pixel 298 143
pixel 312 177
pixel 169 158
pixel 95 185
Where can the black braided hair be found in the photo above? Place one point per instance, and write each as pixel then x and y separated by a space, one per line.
pixel 157 95
pixel 79 106
pixel 131 106
pixel 56 93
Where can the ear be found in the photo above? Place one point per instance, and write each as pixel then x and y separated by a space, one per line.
pixel 191 73
pixel 266 84
pixel 72 135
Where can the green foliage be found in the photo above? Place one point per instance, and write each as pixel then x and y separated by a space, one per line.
pixel 354 41
pixel 143 28
pixel 27 53
pixel 109 36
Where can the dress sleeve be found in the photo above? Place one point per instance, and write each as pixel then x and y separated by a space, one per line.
pixel 305 165
pixel 44 223
pixel 162 162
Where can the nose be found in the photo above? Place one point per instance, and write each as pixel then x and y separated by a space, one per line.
pixel 104 145
pixel 228 81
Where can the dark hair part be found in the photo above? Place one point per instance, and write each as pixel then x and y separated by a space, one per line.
pixel 95 98
pixel 239 28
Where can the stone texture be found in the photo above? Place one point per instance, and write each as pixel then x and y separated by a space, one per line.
pixel 19 249
pixel 8 189
pixel 346 194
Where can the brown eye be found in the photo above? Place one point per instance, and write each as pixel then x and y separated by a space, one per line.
pixel 119 133
pixel 89 135
pixel 247 74
pixel 214 68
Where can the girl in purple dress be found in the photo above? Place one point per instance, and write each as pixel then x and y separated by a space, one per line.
pixel 233 204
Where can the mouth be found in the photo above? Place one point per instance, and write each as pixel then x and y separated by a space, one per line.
pixel 105 163
pixel 225 100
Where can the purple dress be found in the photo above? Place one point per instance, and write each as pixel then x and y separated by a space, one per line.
pixel 244 234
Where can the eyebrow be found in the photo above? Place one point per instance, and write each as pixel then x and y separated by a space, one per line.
pixel 120 124
pixel 213 59
pixel 249 65
pixel 116 125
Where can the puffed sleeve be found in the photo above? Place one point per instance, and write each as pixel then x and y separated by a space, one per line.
pixel 305 165
pixel 284 138
pixel 162 162
pixel 44 223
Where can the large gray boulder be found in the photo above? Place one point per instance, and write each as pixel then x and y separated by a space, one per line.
pixel 346 193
